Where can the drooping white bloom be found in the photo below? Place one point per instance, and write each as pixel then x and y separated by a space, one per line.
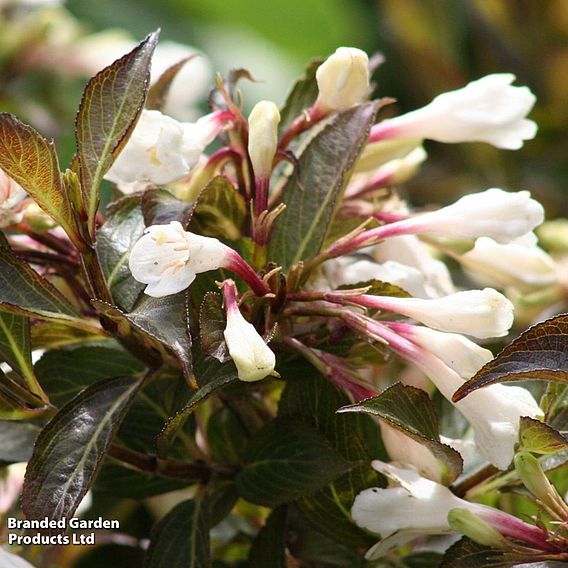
pixel 500 215
pixel 414 502
pixel 413 505
pixel 263 137
pixel 493 412
pixel 481 313
pixel 167 258
pixel 487 110
pixel 519 263
pixel 347 270
pixel 162 150
pixel 343 80
pixel 252 357
pixel 12 200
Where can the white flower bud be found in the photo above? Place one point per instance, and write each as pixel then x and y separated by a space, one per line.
pixel 161 150
pixel 487 110
pixel 253 358
pixel 167 258
pixel 376 154
pixel 12 200
pixel 343 80
pixel 263 137
pixel 514 264
pixel 493 213
pixel 481 313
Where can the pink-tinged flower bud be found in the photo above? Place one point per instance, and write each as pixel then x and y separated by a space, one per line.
pixel 500 215
pixel 12 201
pixel 343 80
pixel 487 110
pixel 480 313
pixel 167 259
pixel 413 506
pixel 520 263
pixel 252 357
pixel 162 150
pixel 263 137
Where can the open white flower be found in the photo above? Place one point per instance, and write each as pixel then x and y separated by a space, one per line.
pixel 162 150
pixel 167 258
pixel 343 80
pixel 521 264
pixel 252 357
pixel 500 215
pixel 12 200
pixel 487 110
pixel 481 313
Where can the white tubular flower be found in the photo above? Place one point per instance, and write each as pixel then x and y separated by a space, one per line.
pixel 494 213
pixel 13 200
pixel 11 486
pixel 493 412
pixel 518 263
pixel 456 351
pixel 401 169
pixel 403 450
pixel 413 506
pixel 162 150
pixel 343 80
pixel 252 357
pixel 263 137
pixel 410 251
pixel 346 270
pixel 481 313
pixel 488 110
pixel 167 258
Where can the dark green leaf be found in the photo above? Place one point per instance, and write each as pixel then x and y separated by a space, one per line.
pixel 181 538
pixel 122 228
pixel 467 554
pixel 128 483
pixel 286 460
pixel 69 450
pixel 158 92
pixel 160 207
pixel 269 546
pixel 539 353
pixel 311 398
pixel 226 437
pixel 161 324
pixel 423 560
pixel 31 160
pixel 302 96
pixel 539 438
pixel 212 323
pixel 17 440
pixel 65 373
pixel 220 211
pixel 221 501
pixel 111 104
pixel 54 334
pixel 15 344
pixel 211 376
pixel 24 291
pixel 312 192
pixel 410 411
